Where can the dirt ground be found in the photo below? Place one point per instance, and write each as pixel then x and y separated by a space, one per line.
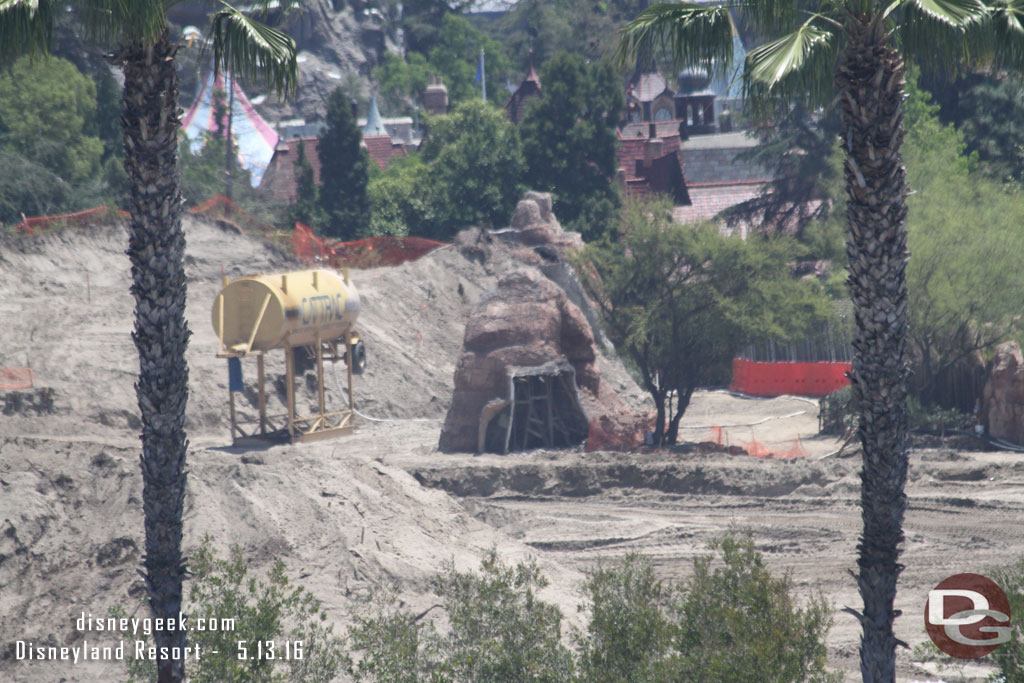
pixel 383 505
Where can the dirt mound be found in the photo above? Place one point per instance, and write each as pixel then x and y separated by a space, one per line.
pixel 70 488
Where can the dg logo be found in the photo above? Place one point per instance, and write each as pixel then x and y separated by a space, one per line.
pixel 967 616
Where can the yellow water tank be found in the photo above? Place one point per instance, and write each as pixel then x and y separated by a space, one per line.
pixel 290 309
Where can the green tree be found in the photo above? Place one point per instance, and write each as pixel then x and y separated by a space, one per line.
pixel 143 48
pixel 306 207
pixel 963 283
pixel 732 622
pixel 852 52
pixel 992 111
pixel 422 20
pixel 679 301
pixel 630 633
pixel 456 56
pixel 404 200
pixel 569 140
pixel 499 630
pixel 248 613
pixel 738 623
pixel 476 163
pixel 47 110
pixel 402 80
pixel 344 171
pixel 29 188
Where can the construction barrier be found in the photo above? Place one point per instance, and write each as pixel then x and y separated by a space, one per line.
pixel 75 219
pixel 372 252
pixel 221 208
pixel 778 379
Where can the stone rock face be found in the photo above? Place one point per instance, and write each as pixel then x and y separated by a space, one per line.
pixel 1004 394
pixel 526 326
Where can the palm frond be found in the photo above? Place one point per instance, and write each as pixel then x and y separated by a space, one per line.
pixel 936 33
pixel 999 40
pixel 251 49
pixel 798 67
pixel 25 27
pixel 123 21
pixel 696 36
pixel 955 13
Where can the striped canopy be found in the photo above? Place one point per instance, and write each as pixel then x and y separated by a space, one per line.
pixel 253 136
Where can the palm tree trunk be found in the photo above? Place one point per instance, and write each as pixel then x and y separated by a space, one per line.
pixel 870 86
pixel 156 248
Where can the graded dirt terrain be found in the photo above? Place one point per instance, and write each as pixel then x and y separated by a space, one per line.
pixel 384 505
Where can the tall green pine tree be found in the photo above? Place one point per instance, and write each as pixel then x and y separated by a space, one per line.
pixel 306 208
pixel 569 141
pixel 344 172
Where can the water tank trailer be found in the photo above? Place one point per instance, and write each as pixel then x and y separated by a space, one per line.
pixel 309 311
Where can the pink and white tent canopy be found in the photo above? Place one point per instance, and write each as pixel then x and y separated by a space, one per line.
pixel 253 136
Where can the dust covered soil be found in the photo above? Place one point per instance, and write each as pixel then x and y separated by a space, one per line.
pixel 383 505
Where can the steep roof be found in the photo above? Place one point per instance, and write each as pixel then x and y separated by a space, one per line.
pixel 529 87
pixel 707 200
pixel 661 175
pixel 279 179
pixel 382 150
pixel 374 123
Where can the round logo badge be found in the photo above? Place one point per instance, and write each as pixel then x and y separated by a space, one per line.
pixel 967 616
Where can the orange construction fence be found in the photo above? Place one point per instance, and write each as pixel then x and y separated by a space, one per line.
pixel 777 379
pixel 219 206
pixel 384 250
pixel 75 219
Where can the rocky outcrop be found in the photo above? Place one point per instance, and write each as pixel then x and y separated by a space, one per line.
pixel 527 341
pixel 1004 394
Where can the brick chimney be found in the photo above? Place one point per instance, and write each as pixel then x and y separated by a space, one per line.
pixel 435 97
pixel 654 148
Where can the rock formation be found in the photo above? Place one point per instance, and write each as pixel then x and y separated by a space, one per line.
pixel 528 377
pixel 1004 394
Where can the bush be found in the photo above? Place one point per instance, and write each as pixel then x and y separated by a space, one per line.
pixel 499 631
pixel 738 623
pixel 730 623
pixel 629 632
pixel 1009 657
pixel 270 610
pixel 837 415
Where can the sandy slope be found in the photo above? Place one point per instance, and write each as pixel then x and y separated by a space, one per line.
pixel 383 505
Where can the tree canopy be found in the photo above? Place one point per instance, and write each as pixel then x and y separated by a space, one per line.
pixel 569 141
pixel 344 171
pixel 679 301
pixel 48 115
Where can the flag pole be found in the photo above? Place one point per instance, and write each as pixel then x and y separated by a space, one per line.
pixel 483 75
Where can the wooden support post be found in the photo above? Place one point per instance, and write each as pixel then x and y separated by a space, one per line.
pixel 320 377
pixel 348 361
pixel 289 365
pixel 231 409
pixel 550 397
pixel 261 380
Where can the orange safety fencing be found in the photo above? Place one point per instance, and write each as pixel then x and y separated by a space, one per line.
pixel 384 250
pixel 75 219
pixel 778 379
pixel 756 448
pixel 219 206
pixel 15 378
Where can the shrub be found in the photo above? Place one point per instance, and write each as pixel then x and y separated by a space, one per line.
pixel 738 623
pixel 1009 657
pixel 262 610
pixel 732 622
